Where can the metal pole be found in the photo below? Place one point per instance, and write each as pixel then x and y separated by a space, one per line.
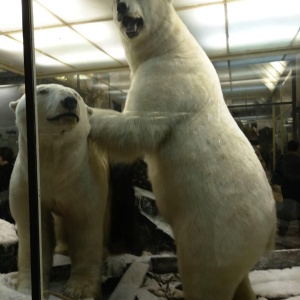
pixel 294 100
pixel 32 146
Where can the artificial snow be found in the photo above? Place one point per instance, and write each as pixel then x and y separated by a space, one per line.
pixel 276 283
pixel 8 288
pixel 268 284
pixel 8 233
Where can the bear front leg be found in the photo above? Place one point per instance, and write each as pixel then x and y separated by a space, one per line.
pixel 24 256
pixel 85 243
pixel 19 206
pixel 128 135
pixel 24 266
pixel 48 243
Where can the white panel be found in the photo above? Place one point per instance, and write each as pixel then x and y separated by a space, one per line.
pixel 11 16
pixel 79 10
pixel 46 65
pixel 207 24
pixel 11 52
pixel 105 35
pixel 244 73
pixel 193 2
pixel 248 88
pixel 257 24
pixel 42 17
pixel 68 47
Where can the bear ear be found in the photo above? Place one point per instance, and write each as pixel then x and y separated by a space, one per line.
pixel 89 110
pixel 13 105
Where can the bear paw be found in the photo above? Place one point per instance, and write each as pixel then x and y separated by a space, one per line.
pixel 23 283
pixel 82 288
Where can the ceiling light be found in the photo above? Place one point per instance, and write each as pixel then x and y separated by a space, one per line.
pixel 67 46
pixel 105 35
pixel 10 45
pixel 11 16
pixel 256 24
pixel 207 24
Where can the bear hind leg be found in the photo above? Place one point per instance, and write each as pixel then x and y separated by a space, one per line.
pixel 244 290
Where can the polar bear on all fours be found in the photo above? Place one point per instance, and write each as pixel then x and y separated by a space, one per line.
pixel 74 186
pixel 207 180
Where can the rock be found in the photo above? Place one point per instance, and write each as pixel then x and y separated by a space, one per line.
pixel 8 247
pixel 130 283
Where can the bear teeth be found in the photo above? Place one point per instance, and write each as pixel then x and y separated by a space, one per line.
pixel 132 25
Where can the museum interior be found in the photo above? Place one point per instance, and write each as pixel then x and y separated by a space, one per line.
pixel 254 46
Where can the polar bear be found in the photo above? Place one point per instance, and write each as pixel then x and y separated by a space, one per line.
pixel 215 196
pixel 74 187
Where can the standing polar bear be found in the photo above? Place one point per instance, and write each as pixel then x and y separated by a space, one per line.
pixel 216 197
pixel 74 187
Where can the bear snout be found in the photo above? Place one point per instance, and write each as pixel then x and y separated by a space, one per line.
pixel 69 103
pixel 122 8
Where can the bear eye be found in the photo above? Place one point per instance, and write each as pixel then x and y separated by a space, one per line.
pixel 43 92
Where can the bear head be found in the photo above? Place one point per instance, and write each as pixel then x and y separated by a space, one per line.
pixel 59 109
pixel 133 17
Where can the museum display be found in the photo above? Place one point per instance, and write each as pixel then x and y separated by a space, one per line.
pixel 189 140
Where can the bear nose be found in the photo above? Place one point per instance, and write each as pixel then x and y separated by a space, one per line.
pixel 70 103
pixel 122 8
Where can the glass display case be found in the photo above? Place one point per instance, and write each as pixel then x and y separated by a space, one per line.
pixel 253 45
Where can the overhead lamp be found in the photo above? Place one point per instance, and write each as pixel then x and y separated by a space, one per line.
pixel 104 35
pixel 207 24
pixel 10 45
pixel 256 24
pixel 11 16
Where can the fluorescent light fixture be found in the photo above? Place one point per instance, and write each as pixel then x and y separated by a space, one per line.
pixel 42 17
pixel 270 85
pixel 211 16
pixel 10 45
pixel 68 47
pixel 257 24
pixel 83 56
pixel 193 2
pixel 279 66
pixel 260 37
pixel 207 24
pixel 105 35
pixel 45 61
pixel 79 10
pixel 270 73
pixel 11 16
pixel 263 10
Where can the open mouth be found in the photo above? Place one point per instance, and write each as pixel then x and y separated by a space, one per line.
pixel 133 26
pixel 64 115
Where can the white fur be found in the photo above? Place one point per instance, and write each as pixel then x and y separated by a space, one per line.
pixel 74 186
pixel 209 184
